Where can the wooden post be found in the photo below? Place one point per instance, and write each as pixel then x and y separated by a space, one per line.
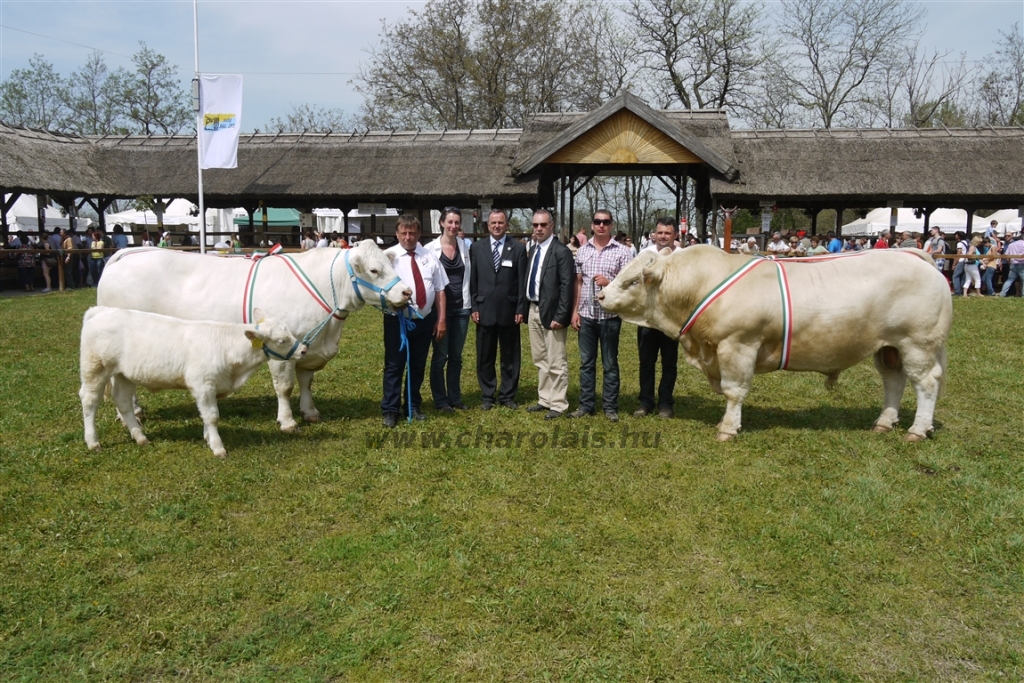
pixel 264 222
pixel 727 230
pixel 970 224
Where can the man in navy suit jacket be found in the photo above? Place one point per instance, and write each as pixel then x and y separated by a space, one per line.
pixel 497 287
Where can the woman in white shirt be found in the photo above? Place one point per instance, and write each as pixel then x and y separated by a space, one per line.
pixel 446 362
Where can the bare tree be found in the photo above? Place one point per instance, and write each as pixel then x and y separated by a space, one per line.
pixel 310 118
pixel 702 53
pixel 489 63
pixel 918 90
pixel 1002 87
pixel 841 45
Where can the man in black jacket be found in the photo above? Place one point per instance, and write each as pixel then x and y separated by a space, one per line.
pixel 549 289
pixel 497 287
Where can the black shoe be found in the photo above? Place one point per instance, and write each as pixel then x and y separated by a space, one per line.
pixel 579 412
pixel 486 406
pixel 460 406
pixel 390 419
pixel 511 405
pixel 417 414
pixel 642 412
pixel 446 409
pixel 612 415
pixel 666 412
pixel 536 408
pixel 553 415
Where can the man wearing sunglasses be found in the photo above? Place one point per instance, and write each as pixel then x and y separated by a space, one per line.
pixel 597 263
pixel 549 288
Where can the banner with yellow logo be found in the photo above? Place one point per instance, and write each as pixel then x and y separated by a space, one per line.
pixel 220 119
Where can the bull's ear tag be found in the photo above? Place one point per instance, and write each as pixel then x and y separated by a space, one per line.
pixel 257 343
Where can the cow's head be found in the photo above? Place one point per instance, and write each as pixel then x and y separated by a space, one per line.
pixel 371 265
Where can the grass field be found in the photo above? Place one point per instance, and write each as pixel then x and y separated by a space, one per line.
pixel 809 549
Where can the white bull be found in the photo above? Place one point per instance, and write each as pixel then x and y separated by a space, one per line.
pixel 311 292
pixel 891 304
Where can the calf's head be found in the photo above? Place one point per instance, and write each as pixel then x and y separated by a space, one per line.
pixel 276 340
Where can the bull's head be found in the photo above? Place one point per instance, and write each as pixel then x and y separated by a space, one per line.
pixel 635 295
pixel 374 268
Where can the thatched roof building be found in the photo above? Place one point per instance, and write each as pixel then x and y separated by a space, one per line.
pixel 535 166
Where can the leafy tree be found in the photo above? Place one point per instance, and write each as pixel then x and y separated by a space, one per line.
pixel 154 99
pixel 94 99
pixel 34 97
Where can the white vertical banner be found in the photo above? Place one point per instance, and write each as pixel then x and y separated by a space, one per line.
pixel 220 119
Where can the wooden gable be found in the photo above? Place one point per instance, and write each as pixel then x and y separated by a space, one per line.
pixel 624 138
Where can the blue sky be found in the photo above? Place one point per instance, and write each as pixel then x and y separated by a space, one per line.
pixel 308 51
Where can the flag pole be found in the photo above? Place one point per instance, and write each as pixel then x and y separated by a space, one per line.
pixel 197 94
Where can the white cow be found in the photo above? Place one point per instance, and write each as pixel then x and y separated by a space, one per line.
pixel 892 304
pixel 319 287
pixel 210 359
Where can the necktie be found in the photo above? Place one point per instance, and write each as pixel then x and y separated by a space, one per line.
pixel 421 291
pixel 533 272
pixel 497 255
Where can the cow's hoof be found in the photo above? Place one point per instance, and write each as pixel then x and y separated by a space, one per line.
pixel 914 438
pixel 94 447
pixel 290 428
pixel 222 454
pixel 313 417
pixel 881 429
pixel 723 436
pixel 142 441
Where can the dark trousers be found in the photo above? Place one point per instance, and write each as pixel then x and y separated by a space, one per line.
pixel 394 363
pixel 96 270
pixel 650 343
pixel 958 276
pixel 606 334
pixel 72 272
pixel 446 363
pixel 488 339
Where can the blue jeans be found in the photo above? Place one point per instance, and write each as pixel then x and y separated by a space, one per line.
pixel 958 276
pixel 1016 273
pixel 96 270
pixel 987 277
pixel 448 351
pixel 605 333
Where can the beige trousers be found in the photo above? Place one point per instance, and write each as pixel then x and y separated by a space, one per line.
pixel 548 350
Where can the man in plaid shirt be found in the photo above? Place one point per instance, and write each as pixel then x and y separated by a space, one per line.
pixel 597 263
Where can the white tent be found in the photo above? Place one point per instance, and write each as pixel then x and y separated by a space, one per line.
pixel 24 216
pixel 948 220
pixel 178 212
pixel 1007 219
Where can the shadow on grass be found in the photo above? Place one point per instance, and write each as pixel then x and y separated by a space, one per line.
pixel 756 418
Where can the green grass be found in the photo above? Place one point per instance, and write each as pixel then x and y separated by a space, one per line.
pixel 807 550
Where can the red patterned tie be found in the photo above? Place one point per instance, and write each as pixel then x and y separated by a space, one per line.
pixel 421 291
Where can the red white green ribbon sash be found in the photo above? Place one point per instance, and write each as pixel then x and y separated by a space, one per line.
pixel 723 287
pixel 293 267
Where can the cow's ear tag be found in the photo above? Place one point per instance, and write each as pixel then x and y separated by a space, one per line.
pixel 257 343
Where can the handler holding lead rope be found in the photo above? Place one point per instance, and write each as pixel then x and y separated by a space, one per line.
pixel 424 321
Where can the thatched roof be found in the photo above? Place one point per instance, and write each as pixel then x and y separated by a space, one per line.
pixel 966 167
pixel 34 161
pixel 676 129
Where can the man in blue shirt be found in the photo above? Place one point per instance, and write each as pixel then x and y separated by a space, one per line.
pixel 835 245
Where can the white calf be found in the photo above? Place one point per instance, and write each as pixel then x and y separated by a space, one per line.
pixel 210 359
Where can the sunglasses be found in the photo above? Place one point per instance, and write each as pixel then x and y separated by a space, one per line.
pixel 602 221
pixel 540 225
pixel 452 208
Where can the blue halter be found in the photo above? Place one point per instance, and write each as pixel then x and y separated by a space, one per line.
pixel 357 281
pixel 271 353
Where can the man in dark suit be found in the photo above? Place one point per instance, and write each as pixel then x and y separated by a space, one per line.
pixel 549 288
pixel 497 287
